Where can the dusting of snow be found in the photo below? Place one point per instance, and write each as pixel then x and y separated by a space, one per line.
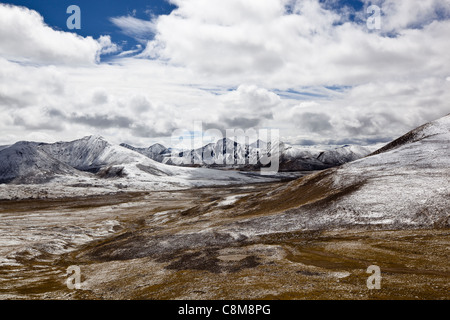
pixel 407 186
pixel 230 200
pixel 91 166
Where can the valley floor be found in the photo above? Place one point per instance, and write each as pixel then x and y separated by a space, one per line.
pixel 186 245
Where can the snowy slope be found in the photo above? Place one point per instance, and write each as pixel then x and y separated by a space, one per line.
pixel 405 184
pixel 303 158
pixel 343 154
pixel 94 166
pixel 26 162
pixel 84 154
pixel 155 152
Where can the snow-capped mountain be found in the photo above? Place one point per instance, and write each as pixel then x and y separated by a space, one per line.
pixel 404 184
pixel 228 153
pixel 297 158
pixel 343 154
pixel 94 162
pixel 27 162
pixel 222 153
pixel 155 152
pixel 86 154
pixel 24 162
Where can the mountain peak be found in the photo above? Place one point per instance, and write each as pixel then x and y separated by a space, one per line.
pixel 157 145
pixel 94 137
pixel 434 128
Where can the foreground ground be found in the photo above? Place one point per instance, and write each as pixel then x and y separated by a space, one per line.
pixel 190 245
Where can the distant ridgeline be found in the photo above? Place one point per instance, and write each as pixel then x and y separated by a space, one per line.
pixel 226 153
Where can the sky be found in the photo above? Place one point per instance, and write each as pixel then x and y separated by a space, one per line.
pixel 137 71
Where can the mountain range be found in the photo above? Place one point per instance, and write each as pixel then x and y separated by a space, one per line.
pixel 32 162
pixel 229 153
pixel 92 165
pixel 400 173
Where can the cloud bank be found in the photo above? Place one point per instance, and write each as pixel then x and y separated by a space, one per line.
pixel 311 69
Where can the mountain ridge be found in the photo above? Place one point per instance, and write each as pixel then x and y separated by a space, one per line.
pixel 403 187
pixel 229 153
pixel 92 165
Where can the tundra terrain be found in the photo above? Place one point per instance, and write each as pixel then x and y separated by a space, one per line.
pixel 181 245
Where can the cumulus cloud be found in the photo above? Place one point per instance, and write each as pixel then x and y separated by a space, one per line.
pixel 33 119
pixel 250 101
pixel 314 122
pixel 101 120
pixel 301 66
pixel 25 37
pixel 398 15
pixel 100 97
pixel 285 44
pixel 241 122
pixel 106 46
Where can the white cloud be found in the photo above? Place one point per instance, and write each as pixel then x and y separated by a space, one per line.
pixel 401 14
pixel 306 71
pixel 106 46
pixel 252 98
pixel 259 42
pixel 24 37
pixel 139 29
pixel 137 49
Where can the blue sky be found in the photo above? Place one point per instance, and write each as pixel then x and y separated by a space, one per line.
pixel 96 15
pixel 138 70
